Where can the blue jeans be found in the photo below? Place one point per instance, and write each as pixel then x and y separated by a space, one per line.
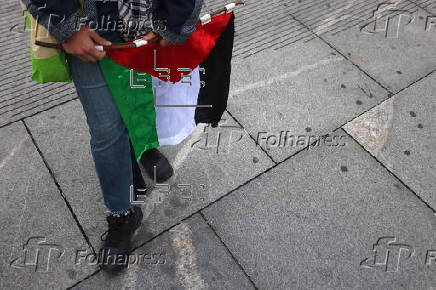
pixel 111 149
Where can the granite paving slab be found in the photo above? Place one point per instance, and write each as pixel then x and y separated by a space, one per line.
pixel 289 98
pixel 428 5
pixel 21 97
pixel 392 41
pixel 401 134
pixel 39 240
pixel 189 256
pixel 209 164
pixel 329 218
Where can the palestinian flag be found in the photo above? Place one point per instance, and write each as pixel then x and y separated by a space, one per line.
pixel 158 89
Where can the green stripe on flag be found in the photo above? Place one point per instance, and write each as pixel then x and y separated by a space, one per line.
pixel 136 105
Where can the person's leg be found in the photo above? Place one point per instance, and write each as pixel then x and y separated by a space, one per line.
pixel 110 144
pixel 114 160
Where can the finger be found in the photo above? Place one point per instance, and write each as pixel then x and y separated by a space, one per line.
pixel 82 58
pixel 97 55
pixel 92 53
pixel 85 58
pixel 98 39
pixel 101 55
pixel 89 54
pixel 164 42
pixel 149 36
pixel 90 58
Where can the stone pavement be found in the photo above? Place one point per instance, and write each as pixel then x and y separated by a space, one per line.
pixel 321 174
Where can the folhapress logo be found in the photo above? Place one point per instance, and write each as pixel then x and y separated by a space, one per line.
pixel 38 255
pixel 387 255
pixel 388 19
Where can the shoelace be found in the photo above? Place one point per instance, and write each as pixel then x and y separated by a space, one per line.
pixel 115 225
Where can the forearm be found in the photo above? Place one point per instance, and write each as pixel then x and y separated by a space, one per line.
pixel 61 19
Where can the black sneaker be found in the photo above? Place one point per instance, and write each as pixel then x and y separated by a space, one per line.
pixel 152 158
pixel 114 254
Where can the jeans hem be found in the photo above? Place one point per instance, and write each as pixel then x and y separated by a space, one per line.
pixel 119 212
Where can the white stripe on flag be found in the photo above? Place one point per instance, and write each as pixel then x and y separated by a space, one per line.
pixel 174 124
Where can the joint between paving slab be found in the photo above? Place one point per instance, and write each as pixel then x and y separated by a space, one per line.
pixel 393 174
pixel 414 82
pixel 228 250
pixel 84 279
pixel 390 93
pixel 272 159
pixel 37 113
pixel 344 56
pixel 199 211
pixel 221 197
pixel 423 8
pixel 257 144
pixel 366 111
pixel 58 186
pixel 390 96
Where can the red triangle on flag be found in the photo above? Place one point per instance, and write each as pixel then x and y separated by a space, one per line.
pixel 173 60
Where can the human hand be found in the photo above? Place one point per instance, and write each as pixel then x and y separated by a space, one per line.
pixel 153 35
pixel 82 44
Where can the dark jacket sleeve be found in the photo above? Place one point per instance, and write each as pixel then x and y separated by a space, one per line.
pixel 60 17
pixel 179 17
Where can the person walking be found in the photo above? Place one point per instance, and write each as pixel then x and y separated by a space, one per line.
pixel 71 23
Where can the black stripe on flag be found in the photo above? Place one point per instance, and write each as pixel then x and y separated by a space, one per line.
pixel 217 78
